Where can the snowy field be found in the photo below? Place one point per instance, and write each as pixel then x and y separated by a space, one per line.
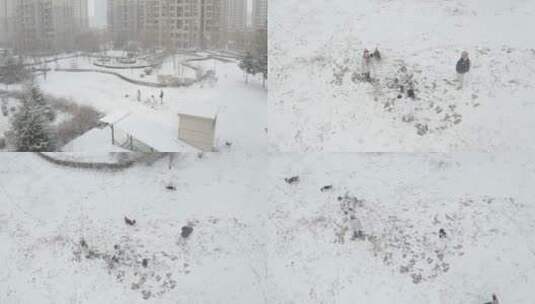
pixel 316 104
pixel 44 216
pixel 240 107
pixel 258 239
pixel 485 204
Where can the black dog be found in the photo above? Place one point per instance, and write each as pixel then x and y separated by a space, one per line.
pixel 292 180
pixel 129 221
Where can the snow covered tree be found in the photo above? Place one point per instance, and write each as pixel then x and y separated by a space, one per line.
pixel 30 127
pixel 37 96
pixel 248 65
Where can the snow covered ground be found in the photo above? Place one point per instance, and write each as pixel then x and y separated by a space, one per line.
pixel 259 239
pixel 316 104
pixel 485 204
pixel 46 210
pixel 241 107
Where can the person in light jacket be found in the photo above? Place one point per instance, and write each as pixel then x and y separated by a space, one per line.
pixel 462 67
pixel 366 65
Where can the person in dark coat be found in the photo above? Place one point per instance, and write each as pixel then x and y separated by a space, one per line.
pixel 376 54
pixel 463 67
pixel 161 96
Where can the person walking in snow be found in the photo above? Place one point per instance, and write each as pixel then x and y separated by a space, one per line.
pixel 366 65
pixel 161 96
pixel 138 95
pixel 463 67
pixel 356 227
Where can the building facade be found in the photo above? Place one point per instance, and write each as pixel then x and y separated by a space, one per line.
pixel 125 19
pixel 235 15
pixel 171 23
pixel 7 11
pixel 175 24
pixel 236 34
pixel 81 14
pixel 260 14
pixel 35 26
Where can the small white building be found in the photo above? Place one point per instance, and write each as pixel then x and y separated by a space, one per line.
pixel 145 132
pixel 197 128
pixel 157 132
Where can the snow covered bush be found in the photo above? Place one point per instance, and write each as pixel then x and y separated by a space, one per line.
pixel 30 125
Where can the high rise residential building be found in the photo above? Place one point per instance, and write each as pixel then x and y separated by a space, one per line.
pixel 211 18
pixel 260 12
pixel 81 14
pixel 177 23
pixel 234 15
pixel 125 19
pixel 42 25
pixel 166 23
pixel 171 23
pixel 7 11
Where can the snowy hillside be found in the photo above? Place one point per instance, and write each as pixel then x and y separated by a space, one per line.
pixel 318 103
pixel 67 242
pixel 485 204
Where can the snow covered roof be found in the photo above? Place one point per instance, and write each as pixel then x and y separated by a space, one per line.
pixel 200 110
pixel 157 131
pixel 114 117
pixel 94 141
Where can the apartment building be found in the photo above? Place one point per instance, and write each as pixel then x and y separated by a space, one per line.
pixel 260 14
pixel 81 14
pixel 7 11
pixel 125 19
pixel 235 15
pixel 34 26
pixel 212 23
pixel 169 24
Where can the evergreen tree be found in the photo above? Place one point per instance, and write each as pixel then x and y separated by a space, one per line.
pixel 30 126
pixel 37 96
pixel 248 65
